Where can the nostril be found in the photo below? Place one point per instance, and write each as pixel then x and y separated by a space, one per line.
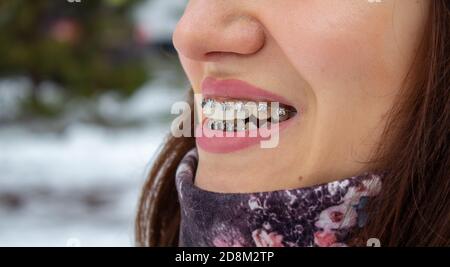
pixel 217 55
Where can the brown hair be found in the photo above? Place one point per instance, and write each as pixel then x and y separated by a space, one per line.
pixel 413 208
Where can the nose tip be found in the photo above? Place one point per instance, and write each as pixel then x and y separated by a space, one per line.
pixel 201 36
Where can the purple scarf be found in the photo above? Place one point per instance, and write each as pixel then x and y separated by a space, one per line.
pixel 321 215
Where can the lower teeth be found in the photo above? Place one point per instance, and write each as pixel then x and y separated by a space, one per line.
pixel 215 125
pixel 235 126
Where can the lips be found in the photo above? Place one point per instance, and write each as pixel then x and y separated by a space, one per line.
pixel 237 115
pixel 238 89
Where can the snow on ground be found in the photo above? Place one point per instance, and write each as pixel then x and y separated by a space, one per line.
pixel 82 186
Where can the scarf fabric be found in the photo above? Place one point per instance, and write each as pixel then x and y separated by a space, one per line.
pixel 318 216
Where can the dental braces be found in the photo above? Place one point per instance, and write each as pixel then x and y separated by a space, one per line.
pixel 230 126
pixel 255 114
pixel 210 106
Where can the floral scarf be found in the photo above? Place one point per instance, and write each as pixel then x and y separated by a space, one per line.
pixel 321 215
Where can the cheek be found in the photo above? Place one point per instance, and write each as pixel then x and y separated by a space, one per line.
pixel 339 51
pixel 347 61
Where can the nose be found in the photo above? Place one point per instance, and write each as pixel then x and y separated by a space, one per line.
pixel 211 27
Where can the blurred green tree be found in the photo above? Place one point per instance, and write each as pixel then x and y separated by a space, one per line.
pixel 86 47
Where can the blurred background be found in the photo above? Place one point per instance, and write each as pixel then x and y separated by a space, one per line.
pixel 86 89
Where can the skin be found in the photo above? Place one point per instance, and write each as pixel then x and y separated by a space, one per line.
pixel 341 62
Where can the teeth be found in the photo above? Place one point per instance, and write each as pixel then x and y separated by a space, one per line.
pixel 238 116
pixel 229 126
pixel 230 110
pixel 263 124
pixel 240 126
pixel 210 124
pixel 218 125
pixel 262 111
pixel 262 107
pixel 250 126
pixel 228 106
pixel 208 107
pixel 215 125
pixel 239 106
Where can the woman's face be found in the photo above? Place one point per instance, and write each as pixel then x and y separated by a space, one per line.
pixel 339 63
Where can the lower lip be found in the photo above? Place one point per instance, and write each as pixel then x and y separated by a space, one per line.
pixel 214 141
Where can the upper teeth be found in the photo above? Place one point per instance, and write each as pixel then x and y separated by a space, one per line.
pixel 230 110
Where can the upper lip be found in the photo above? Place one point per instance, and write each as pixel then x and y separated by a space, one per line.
pixel 238 89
